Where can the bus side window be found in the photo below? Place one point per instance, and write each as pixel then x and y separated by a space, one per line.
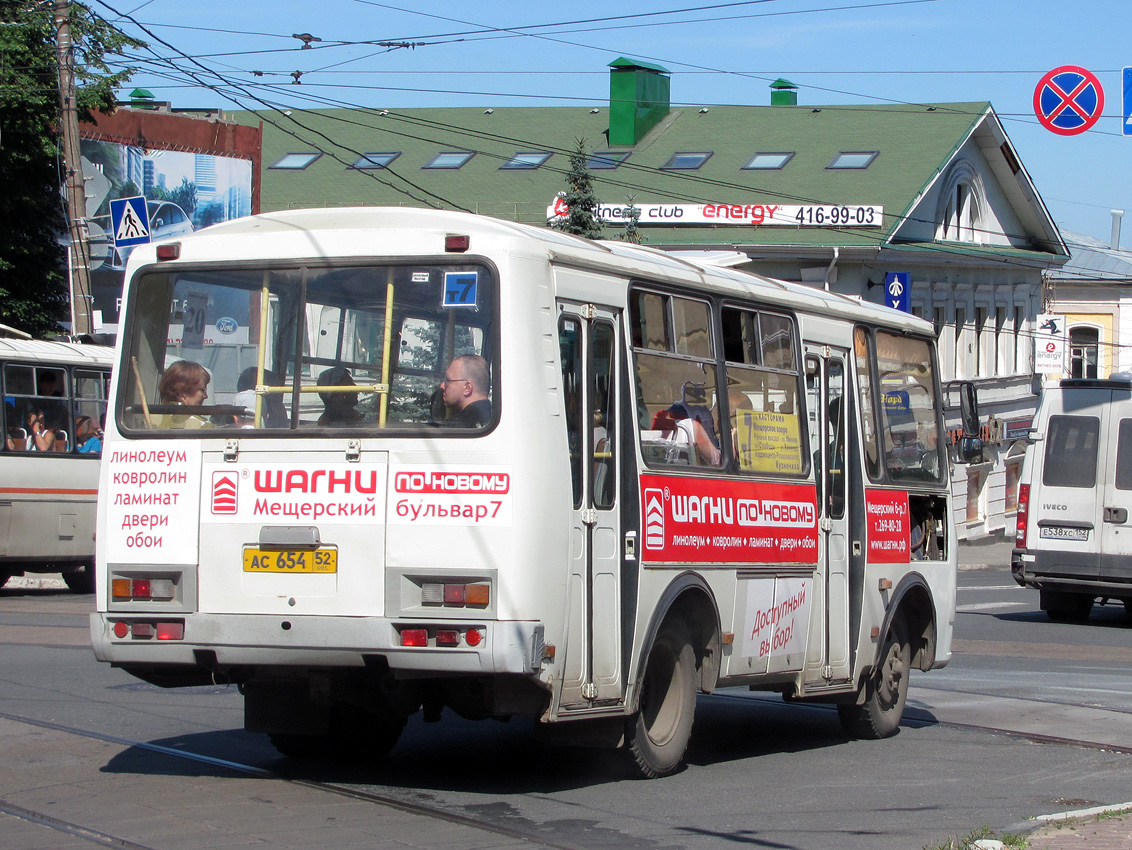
pixel 677 401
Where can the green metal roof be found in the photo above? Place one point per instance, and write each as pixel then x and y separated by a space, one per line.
pixel 914 143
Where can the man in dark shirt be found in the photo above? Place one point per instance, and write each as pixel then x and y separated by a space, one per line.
pixel 464 388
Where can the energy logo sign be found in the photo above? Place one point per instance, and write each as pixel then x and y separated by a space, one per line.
pixel 225 486
pixel 1068 100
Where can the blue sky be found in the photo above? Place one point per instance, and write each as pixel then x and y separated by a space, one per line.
pixel 495 53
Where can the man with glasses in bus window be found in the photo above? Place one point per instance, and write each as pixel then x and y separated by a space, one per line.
pixel 464 390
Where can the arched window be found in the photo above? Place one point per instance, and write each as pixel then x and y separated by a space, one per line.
pixel 959 216
pixel 1084 350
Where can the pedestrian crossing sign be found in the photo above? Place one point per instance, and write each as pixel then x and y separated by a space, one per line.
pixel 130 219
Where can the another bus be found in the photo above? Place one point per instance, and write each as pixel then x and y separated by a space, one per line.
pixel 54 406
pixel 679 478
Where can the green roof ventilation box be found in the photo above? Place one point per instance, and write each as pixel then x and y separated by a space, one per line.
pixel 639 95
pixel 783 93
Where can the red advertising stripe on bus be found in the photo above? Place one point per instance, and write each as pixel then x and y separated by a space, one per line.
pixel 889 530
pixel 708 521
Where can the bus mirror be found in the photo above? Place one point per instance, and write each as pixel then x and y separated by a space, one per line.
pixel 968 450
pixel 969 409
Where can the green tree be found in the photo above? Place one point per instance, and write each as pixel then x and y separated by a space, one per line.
pixel 581 217
pixel 33 289
pixel 632 232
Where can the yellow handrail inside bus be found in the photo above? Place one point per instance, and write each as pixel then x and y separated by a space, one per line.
pixel 385 350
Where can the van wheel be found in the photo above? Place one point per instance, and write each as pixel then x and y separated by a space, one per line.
pixel 80 580
pixel 1065 607
pixel 658 733
pixel 886 691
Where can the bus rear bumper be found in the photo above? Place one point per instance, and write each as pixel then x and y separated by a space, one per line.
pixel 250 641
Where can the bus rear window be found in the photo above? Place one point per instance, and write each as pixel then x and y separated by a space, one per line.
pixel 1071 452
pixel 354 347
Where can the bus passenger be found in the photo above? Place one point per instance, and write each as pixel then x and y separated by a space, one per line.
pixel 40 437
pixel 464 389
pixel 341 407
pixel 274 411
pixel 87 436
pixel 184 383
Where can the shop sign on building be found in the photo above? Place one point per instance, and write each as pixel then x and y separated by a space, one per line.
pixel 1049 344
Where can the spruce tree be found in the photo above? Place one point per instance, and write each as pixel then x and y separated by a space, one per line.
pixel 632 232
pixel 581 217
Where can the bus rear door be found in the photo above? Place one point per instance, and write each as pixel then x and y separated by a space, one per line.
pixel 590 349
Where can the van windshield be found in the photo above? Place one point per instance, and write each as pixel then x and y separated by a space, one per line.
pixel 360 347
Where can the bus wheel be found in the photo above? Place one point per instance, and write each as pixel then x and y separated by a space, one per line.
pixel 658 734
pixel 80 580
pixel 886 691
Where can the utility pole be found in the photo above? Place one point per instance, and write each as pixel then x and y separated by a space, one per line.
pixel 78 255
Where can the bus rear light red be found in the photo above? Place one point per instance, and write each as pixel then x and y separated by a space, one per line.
pixel 121 630
pixel 170 631
pixel 1023 515
pixel 414 637
pixel 447 637
pixel 473 637
pixel 125 589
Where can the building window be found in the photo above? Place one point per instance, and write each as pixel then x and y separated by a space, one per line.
pixel 1002 364
pixel 982 362
pixel 1021 362
pixel 1084 348
pixel 296 161
pixel 449 159
pixel 976 501
pixel 853 159
pixel 768 161
pixel 375 160
pixel 687 161
pixel 959 213
pixel 606 160
pixel 960 343
pixel 1013 468
pixel 525 161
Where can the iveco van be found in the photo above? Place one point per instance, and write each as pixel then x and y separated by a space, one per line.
pixel 1074 538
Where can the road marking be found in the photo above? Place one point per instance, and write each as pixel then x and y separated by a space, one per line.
pixel 989 606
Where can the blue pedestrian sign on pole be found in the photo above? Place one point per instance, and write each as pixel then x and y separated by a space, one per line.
pixel 130 219
pixel 1126 112
pixel 896 286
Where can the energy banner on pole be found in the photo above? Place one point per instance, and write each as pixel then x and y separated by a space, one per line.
pixel 1049 344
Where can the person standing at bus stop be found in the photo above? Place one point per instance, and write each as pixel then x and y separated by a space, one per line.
pixel 464 389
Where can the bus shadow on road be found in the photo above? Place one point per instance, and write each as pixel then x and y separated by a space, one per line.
pixel 457 755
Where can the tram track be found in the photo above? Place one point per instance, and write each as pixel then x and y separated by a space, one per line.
pixel 93 836
pixel 914 717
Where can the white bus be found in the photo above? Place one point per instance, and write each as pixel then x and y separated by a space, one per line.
pixel 54 405
pixel 673 478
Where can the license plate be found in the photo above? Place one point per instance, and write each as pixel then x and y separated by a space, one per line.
pixel 1061 532
pixel 290 560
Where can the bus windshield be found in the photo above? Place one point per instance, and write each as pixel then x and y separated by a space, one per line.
pixel 908 405
pixel 304 347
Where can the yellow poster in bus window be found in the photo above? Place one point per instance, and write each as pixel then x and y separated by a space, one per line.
pixel 768 442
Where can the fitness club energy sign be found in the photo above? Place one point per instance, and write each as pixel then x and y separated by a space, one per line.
pixel 692 520
pixel 746 215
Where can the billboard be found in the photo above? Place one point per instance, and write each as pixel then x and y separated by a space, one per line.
pixel 183 192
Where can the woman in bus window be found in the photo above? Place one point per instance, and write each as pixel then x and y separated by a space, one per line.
pixel 40 437
pixel 184 383
pixel 87 436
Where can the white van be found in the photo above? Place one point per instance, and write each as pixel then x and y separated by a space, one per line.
pixel 1074 539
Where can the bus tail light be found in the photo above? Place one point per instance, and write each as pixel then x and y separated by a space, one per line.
pixel 146 630
pixel 127 589
pixel 1023 515
pixel 456 243
pixel 421 636
pixel 455 595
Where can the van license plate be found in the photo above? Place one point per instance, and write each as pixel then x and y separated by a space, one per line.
pixel 290 560
pixel 1061 532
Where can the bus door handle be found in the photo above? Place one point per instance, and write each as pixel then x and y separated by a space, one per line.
pixel 1116 515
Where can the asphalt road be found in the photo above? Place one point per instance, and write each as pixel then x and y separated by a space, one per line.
pixel 760 772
